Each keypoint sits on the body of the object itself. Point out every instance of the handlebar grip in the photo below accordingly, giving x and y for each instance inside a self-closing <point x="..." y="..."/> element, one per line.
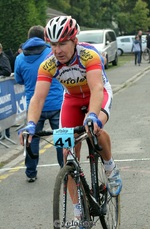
<point x="79" y="129"/>
<point x="94" y="137"/>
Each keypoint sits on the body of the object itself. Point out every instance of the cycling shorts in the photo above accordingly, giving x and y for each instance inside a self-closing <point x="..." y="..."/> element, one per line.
<point x="71" y="114"/>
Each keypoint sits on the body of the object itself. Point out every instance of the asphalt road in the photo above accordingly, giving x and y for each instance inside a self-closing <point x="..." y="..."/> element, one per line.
<point x="29" y="206"/>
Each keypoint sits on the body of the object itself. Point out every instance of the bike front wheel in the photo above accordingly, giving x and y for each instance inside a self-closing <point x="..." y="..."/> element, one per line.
<point x="110" y="217"/>
<point x="63" y="216"/>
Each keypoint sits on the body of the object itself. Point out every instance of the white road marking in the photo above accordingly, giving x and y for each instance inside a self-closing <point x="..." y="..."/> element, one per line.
<point x="82" y="162"/>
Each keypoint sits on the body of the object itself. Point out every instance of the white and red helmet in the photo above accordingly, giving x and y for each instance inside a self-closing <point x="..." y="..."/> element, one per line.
<point x="61" y="28"/>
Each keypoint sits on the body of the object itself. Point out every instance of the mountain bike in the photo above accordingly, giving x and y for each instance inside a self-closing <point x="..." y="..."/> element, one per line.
<point x="146" y="54"/>
<point x="95" y="203"/>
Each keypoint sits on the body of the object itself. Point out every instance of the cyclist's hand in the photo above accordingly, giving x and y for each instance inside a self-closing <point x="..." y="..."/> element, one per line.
<point x="30" y="128"/>
<point x="97" y="123"/>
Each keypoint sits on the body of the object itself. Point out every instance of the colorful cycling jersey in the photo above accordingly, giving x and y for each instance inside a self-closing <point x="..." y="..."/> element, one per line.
<point x="73" y="74"/>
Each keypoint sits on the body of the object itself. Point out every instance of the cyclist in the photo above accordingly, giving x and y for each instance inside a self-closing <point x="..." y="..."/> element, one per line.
<point x="79" y="68"/>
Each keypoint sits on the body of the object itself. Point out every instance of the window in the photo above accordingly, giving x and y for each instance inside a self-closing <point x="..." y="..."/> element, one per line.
<point x="112" y="36"/>
<point x="93" y="38"/>
<point x="125" y="40"/>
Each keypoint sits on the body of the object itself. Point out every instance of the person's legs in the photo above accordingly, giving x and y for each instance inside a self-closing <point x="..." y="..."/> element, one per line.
<point x="135" y="57"/>
<point x="7" y="132"/>
<point x="53" y="117"/>
<point x="149" y="55"/>
<point x="138" y="58"/>
<point x="31" y="164"/>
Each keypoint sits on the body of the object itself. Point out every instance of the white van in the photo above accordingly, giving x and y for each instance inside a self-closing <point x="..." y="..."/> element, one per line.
<point x="104" y="40"/>
<point x="125" y="43"/>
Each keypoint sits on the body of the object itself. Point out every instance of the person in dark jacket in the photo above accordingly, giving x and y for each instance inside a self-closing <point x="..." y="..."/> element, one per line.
<point x="5" y="68"/>
<point x="35" y="50"/>
<point x="148" y="43"/>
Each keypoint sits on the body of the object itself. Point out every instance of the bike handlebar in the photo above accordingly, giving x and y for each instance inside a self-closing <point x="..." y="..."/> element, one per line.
<point x="77" y="129"/>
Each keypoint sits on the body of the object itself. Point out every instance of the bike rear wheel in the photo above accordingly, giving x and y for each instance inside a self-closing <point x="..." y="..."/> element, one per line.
<point x="110" y="218"/>
<point x="63" y="216"/>
<point x="146" y="54"/>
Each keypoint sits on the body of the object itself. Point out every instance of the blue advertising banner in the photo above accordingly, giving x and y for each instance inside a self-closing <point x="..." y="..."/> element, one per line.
<point x="12" y="103"/>
<point x="7" y="99"/>
<point x="20" y="102"/>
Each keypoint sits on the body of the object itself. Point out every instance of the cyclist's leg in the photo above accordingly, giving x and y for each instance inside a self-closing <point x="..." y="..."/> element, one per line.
<point x="115" y="183"/>
<point x="103" y="137"/>
<point x="71" y="116"/>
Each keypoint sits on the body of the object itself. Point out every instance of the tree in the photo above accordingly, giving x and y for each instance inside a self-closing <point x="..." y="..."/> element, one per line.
<point x="140" y="16"/>
<point x="16" y="18"/>
<point x="132" y="16"/>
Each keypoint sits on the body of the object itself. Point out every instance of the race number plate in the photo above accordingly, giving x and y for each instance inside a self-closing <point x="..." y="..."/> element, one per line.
<point x="63" y="138"/>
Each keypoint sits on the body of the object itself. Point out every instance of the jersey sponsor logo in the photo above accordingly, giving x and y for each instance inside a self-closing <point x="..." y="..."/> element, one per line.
<point x="85" y="55"/>
<point x="71" y="81"/>
<point x="72" y="76"/>
<point x="49" y="64"/>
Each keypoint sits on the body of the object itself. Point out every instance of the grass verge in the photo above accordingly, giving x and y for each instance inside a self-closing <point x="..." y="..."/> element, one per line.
<point x="122" y="60"/>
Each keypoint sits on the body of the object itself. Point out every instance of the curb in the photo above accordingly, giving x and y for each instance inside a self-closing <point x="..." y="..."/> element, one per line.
<point x="131" y="80"/>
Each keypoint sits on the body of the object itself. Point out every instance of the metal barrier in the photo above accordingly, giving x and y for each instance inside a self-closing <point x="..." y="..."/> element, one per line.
<point x="12" y="106"/>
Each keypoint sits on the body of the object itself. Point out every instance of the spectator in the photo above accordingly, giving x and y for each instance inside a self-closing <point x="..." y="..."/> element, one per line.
<point x="148" y="43"/>
<point x="140" y="39"/>
<point x="13" y="57"/>
<point x="137" y="50"/>
<point x="27" y="63"/>
<point x="19" y="50"/>
<point x="10" y="56"/>
<point x="5" y="70"/>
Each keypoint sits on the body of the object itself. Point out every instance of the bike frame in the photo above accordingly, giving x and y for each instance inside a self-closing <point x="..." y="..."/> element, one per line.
<point x="92" y="194"/>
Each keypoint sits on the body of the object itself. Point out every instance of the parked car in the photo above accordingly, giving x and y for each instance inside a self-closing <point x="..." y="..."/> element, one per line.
<point x="125" y="43"/>
<point x="104" y="40"/>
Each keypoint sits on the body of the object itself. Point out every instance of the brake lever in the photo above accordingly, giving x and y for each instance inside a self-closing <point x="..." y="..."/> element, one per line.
<point x="25" y="138"/>
<point x="27" y="148"/>
<point x="94" y="137"/>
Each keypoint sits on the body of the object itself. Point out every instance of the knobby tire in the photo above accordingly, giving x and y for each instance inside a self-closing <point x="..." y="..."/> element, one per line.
<point x="58" y="201"/>
<point x="146" y="54"/>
